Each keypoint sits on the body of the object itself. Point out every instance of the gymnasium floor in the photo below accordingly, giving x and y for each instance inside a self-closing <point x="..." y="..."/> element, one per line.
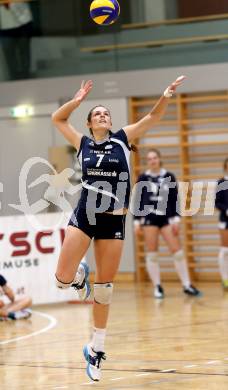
<point x="178" y="343"/>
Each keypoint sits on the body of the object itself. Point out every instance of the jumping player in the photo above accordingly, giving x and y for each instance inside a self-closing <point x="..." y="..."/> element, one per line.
<point x="101" y="211"/>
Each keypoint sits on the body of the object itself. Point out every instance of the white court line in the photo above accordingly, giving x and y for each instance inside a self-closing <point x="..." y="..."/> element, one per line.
<point x="52" y="324"/>
<point x="169" y="370"/>
<point x="191" y="365"/>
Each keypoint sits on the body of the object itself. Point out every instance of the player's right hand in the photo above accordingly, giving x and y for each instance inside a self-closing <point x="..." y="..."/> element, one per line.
<point x="86" y="87"/>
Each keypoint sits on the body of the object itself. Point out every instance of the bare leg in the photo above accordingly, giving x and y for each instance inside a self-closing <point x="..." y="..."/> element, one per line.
<point x="151" y="234"/>
<point x="224" y="237"/>
<point x="19" y="304"/>
<point x="75" y="245"/>
<point x="107" y="255"/>
<point x="223" y="257"/>
<point x="171" y="239"/>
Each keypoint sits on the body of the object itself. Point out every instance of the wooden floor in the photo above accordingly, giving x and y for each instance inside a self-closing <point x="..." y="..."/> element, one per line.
<point x="179" y="343"/>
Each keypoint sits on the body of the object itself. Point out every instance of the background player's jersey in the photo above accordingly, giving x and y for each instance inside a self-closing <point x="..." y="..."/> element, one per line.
<point x="161" y="195"/>
<point x="221" y="198"/>
<point x="105" y="172"/>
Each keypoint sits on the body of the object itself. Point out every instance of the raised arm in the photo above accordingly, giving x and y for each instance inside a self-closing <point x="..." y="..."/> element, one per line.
<point x="137" y="129"/>
<point x="61" y="116"/>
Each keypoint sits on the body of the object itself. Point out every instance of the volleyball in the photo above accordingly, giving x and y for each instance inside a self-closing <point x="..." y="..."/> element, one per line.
<point x="104" y="12"/>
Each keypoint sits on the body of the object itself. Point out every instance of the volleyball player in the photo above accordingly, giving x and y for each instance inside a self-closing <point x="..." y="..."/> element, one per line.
<point x="159" y="191"/>
<point x="16" y="308"/>
<point x="101" y="211"/>
<point x="221" y="202"/>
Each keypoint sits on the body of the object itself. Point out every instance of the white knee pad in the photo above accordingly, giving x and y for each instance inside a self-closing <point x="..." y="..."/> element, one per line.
<point x="179" y="255"/>
<point x="62" y="285"/>
<point x="103" y="293"/>
<point x="152" y="257"/>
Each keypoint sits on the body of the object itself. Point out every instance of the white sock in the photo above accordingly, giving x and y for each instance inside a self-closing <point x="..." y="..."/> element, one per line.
<point x="153" y="267"/>
<point x="223" y="262"/>
<point x="181" y="268"/>
<point x="98" y="339"/>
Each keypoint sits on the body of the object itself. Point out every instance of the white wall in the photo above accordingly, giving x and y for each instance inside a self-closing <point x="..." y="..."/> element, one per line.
<point x="110" y="89"/>
<point x="210" y="77"/>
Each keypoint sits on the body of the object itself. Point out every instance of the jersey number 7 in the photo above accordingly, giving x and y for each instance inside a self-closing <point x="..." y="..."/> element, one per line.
<point x="100" y="158"/>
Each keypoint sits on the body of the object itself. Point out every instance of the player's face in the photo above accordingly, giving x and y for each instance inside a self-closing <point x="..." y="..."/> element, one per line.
<point x="153" y="161"/>
<point x="100" y="120"/>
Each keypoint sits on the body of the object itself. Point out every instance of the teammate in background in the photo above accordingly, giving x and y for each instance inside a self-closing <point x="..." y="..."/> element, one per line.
<point x="221" y="203"/>
<point x="17" y="308"/>
<point x="102" y="207"/>
<point x="16" y="25"/>
<point x="161" y="194"/>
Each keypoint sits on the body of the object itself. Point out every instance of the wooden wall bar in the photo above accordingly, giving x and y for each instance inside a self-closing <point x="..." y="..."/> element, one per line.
<point x="193" y="140"/>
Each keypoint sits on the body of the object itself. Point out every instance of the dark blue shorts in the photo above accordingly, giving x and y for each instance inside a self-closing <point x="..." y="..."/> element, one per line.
<point x="100" y="226"/>
<point x="155" y="220"/>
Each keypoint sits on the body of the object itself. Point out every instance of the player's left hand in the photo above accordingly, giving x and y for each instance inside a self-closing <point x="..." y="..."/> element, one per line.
<point x="172" y="87"/>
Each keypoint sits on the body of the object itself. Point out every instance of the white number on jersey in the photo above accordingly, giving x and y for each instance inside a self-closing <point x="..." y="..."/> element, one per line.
<point x="100" y="158"/>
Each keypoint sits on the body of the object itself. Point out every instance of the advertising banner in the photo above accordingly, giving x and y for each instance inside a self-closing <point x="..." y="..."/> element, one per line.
<point x="29" y="250"/>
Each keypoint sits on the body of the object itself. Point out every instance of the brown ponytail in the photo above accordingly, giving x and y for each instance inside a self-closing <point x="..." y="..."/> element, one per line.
<point x="134" y="148"/>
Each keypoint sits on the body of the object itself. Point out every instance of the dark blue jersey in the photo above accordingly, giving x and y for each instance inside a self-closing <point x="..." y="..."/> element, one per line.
<point x="221" y="198"/>
<point x="105" y="172"/>
<point x="158" y="192"/>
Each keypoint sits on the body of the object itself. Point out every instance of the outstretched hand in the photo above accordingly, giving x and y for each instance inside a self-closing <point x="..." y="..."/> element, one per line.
<point x="172" y="87"/>
<point x="86" y="87"/>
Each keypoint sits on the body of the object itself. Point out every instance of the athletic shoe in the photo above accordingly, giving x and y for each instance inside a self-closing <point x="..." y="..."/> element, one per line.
<point x="81" y="282"/>
<point x="93" y="358"/>
<point x="192" y="291"/>
<point x="20" y="314"/>
<point x="159" y="292"/>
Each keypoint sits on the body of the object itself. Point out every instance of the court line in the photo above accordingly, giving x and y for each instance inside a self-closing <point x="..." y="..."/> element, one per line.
<point x="175" y="371"/>
<point x="169" y="370"/>
<point x="52" y="324"/>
